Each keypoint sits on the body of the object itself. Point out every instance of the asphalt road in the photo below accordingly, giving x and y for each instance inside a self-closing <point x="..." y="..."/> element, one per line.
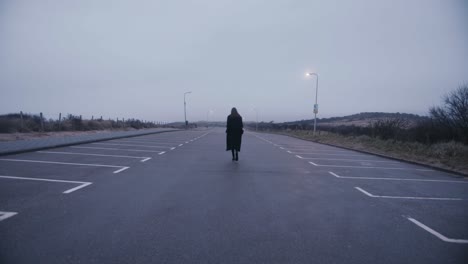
<point x="178" y="198"/>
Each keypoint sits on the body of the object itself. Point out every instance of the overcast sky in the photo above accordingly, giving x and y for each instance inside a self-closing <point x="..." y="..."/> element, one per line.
<point x="137" y="58"/>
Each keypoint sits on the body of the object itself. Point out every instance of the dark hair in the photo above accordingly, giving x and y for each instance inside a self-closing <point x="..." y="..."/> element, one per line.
<point x="234" y="112"/>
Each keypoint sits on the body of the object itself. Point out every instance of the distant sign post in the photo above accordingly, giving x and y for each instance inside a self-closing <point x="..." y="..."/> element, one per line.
<point x="315" y="108"/>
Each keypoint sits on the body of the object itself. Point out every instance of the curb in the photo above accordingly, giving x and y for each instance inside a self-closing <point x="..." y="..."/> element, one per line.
<point x="25" y="150"/>
<point x="379" y="155"/>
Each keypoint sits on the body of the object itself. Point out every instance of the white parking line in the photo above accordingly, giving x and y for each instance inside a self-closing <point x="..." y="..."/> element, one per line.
<point x="130" y="145"/>
<point x="407" y="197"/>
<point x="366" y="167"/>
<point x="437" y="234"/>
<point x="328" y="154"/>
<point x="122" y="168"/>
<point x="5" y="215"/>
<point x="320" y="151"/>
<point x="180" y="145"/>
<point x="350" y="160"/>
<point x="136" y="150"/>
<point x="81" y="184"/>
<point x="143" y="159"/>
<point x="173" y="148"/>
<point x="143" y="141"/>
<point x="162" y="153"/>
<point x="395" y="179"/>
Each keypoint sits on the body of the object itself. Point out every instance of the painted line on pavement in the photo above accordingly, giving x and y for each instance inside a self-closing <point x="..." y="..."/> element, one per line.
<point x="122" y="168"/>
<point x="437" y="234"/>
<point x="395" y="179"/>
<point x="143" y="141"/>
<point x="366" y="167"/>
<point x="5" y="215"/>
<point x="81" y="184"/>
<point x="161" y="153"/>
<point x="143" y="159"/>
<point x="320" y="151"/>
<point x="173" y="148"/>
<point x="180" y="145"/>
<point x="136" y="150"/>
<point x="406" y="197"/>
<point x="328" y="154"/>
<point x="130" y="145"/>
<point x="350" y="160"/>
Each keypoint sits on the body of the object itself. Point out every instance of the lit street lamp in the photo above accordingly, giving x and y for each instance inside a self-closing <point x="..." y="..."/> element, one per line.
<point x="185" y="110"/>
<point x="316" y="95"/>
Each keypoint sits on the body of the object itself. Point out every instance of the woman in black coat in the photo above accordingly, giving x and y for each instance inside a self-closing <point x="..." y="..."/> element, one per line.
<point x="234" y="130"/>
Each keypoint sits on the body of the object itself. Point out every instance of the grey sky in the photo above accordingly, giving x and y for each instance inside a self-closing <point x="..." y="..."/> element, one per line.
<point x="137" y="58"/>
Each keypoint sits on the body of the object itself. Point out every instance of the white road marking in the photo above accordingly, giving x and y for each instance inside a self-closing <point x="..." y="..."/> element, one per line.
<point x="394" y="179"/>
<point x="91" y="154"/>
<point x="162" y="152"/>
<point x="122" y="169"/>
<point x="81" y="184"/>
<point x="143" y="160"/>
<point x="322" y="151"/>
<point x="173" y="148"/>
<point x="186" y="142"/>
<point x="180" y="145"/>
<point x="136" y="150"/>
<point x="130" y="145"/>
<point x="437" y="234"/>
<point x="281" y="148"/>
<point x="299" y="156"/>
<point x="407" y="197"/>
<point x="69" y="163"/>
<point x="5" y="215"/>
<point x="143" y="141"/>
<point x="289" y="151"/>
<point x="384" y="161"/>
<point x="365" y="167"/>
<point x="328" y="154"/>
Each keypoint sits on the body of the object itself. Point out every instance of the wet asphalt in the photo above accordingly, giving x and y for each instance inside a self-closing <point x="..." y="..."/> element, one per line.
<point x="177" y="197"/>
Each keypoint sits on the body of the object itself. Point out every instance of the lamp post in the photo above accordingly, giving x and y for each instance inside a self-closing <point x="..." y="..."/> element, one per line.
<point x="185" y="110"/>
<point x="316" y="95"/>
<point x="256" y="119"/>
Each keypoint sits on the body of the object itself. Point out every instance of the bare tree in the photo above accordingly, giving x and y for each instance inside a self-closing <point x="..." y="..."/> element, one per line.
<point x="454" y="113"/>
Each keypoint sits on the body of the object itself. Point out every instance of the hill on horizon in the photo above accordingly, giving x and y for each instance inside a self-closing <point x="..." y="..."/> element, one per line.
<point x="360" y="119"/>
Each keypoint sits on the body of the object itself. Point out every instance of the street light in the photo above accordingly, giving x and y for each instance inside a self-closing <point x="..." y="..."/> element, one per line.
<point x="256" y="118"/>
<point x="185" y="110"/>
<point x="316" y="95"/>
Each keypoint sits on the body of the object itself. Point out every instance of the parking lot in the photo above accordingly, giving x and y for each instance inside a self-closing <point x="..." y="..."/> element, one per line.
<point x="178" y="197"/>
<point x="68" y="170"/>
<point x="434" y="201"/>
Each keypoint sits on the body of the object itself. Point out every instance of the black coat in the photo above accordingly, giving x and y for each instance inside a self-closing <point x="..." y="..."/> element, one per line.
<point x="234" y="130"/>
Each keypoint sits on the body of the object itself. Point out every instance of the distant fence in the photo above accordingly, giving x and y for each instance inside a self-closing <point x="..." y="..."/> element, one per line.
<point x="26" y="122"/>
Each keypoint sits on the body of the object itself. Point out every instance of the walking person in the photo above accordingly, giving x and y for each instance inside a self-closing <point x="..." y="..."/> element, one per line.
<point x="234" y="131"/>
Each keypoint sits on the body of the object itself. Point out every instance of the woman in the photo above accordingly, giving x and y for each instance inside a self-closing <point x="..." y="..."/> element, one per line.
<point x="234" y="130"/>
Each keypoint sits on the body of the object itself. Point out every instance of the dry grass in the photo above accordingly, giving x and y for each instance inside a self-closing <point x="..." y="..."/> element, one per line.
<point x="448" y="155"/>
